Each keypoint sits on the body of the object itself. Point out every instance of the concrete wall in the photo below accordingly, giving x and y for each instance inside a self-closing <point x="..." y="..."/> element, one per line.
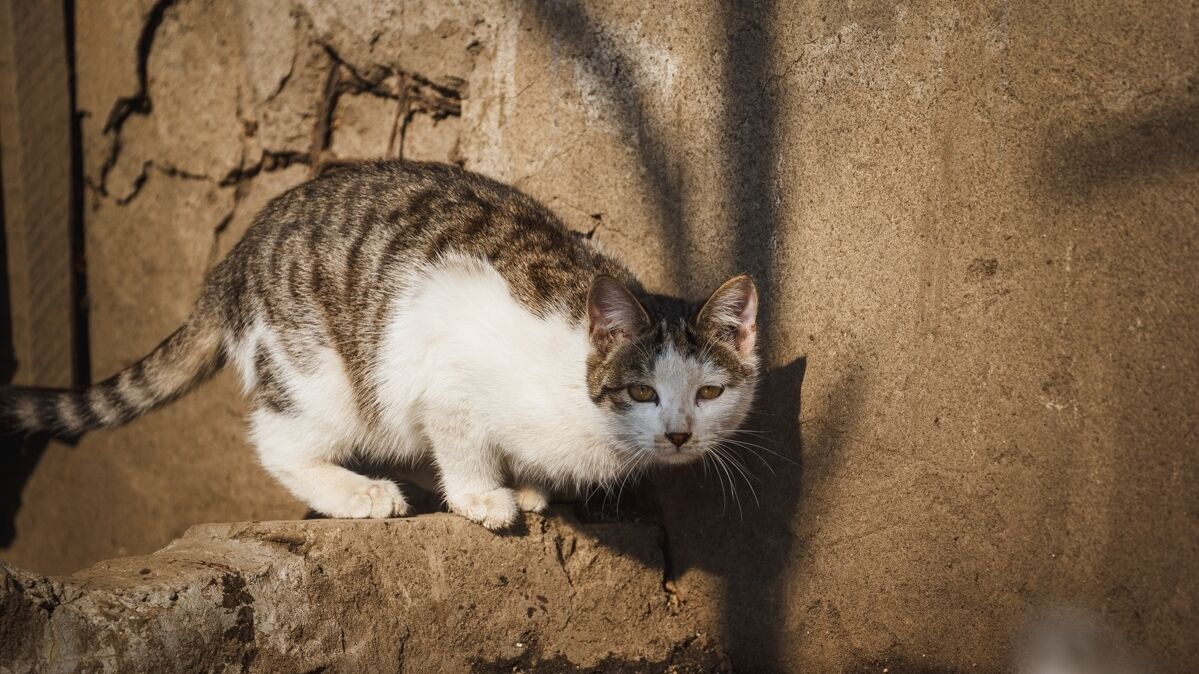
<point x="974" y="228"/>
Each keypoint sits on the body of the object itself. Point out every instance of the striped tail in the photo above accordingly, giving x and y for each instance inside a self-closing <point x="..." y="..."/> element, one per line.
<point x="190" y="355"/>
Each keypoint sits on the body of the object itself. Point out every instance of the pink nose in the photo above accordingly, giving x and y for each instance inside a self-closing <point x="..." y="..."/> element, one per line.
<point x="678" y="438"/>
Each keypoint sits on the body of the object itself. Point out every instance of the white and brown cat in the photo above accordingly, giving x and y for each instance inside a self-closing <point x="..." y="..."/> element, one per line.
<point x="414" y="313"/>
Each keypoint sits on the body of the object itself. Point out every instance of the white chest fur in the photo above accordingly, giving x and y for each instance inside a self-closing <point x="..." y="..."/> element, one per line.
<point x="461" y="347"/>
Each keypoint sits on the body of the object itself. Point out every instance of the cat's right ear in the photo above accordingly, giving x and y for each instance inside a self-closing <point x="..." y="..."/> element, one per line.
<point x="613" y="313"/>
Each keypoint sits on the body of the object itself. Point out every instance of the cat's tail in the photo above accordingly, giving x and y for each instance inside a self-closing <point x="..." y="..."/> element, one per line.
<point x="190" y="355"/>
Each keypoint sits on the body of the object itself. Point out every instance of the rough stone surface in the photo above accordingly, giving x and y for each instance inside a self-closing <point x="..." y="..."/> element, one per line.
<point x="364" y="126"/>
<point x="973" y="227"/>
<point x="430" y="139"/>
<point x="423" y="594"/>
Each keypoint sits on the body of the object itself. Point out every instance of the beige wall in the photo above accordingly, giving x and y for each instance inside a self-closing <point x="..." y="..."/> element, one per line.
<point x="974" y="227"/>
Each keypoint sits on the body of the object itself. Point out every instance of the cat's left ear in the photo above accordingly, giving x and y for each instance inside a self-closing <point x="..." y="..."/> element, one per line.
<point x="613" y="313"/>
<point x="731" y="313"/>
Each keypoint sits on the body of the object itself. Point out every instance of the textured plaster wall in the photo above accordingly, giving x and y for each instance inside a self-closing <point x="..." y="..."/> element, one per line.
<point x="974" y="228"/>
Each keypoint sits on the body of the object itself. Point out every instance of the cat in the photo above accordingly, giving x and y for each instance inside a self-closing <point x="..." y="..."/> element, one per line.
<point x="408" y="312"/>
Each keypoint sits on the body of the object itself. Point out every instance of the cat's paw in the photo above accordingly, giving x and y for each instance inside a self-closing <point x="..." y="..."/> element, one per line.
<point x="495" y="509"/>
<point x="531" y="499"/>
<point x="376" y="500"/>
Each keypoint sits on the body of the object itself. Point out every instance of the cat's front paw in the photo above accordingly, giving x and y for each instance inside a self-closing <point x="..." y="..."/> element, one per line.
<point x="531" y="499"/>
<point x="376" y="500"/>
<point x="495" y="509"/>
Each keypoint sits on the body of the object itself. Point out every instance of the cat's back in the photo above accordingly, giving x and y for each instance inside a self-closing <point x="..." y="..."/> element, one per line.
<point x="422" y="269"/>
<point x="440" y="206"/>
<point x="361" y="230"/>
<point x="387" y="197"/>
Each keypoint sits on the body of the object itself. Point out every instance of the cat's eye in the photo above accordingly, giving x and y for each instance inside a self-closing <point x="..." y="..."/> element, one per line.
<point x="709" y="392"/>
<point x="642" y="393"/>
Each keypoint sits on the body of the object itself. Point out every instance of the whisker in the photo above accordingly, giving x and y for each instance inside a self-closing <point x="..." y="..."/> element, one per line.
<point x="632" y="468"/>
<point x="754" y="445"/>
<point x="626" y="465"/>
<point x="720" y="462"/>
<point x="719" y="480"/>
<point x="749" y="449"/>
<point x="736" y="465"/>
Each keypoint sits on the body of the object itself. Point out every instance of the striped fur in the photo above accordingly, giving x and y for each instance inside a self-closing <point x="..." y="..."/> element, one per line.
<point x="184" y="359"/>
<point x="421" y="313"/>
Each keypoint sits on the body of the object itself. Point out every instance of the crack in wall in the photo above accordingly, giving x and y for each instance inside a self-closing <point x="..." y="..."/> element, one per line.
<point x="139" y="102"/>
<point x="271" y="161"/>
<point x="322" y="133"/>
<point x="415" y="94"/>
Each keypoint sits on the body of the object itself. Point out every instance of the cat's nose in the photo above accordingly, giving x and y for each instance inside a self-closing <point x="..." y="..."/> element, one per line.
<point x="678" y="438"/>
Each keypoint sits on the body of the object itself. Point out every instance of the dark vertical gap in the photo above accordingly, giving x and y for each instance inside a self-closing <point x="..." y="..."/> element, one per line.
<point x="17" y="461"/>
<point x="80" y="342"/>
<point x="8" y="357"/>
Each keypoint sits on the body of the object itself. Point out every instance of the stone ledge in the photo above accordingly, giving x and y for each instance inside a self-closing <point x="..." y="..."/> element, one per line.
<point x="428" y="593"/>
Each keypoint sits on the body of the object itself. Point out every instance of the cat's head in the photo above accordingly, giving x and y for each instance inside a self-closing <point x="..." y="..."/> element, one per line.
<point x="673" y="381"/>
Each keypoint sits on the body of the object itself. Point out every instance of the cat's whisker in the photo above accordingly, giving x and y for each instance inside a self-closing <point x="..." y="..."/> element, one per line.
<point x="723" y="472"/>
<point x="757" y="446"/>
<point x="719" y="480"/>
<point x="750" y="449"/>
<point x="626" y="479"/>
<point x="606" y="484"/>
<point x="741" y="431"/>
<point x="723" y="463"/>
<point x="732" y="458"/>
<point x="745" y="474"/>
<point x="626" y="469"/>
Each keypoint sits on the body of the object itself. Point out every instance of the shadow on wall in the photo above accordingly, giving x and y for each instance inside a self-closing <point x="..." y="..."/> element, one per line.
<point x="753" y="554"/>
<point x="1121" y="148"/>
<point x="608" y="65"/>
<point x="1097" y="162"/>
<point x="18" y="456"/>
<point x="755" y="562"/>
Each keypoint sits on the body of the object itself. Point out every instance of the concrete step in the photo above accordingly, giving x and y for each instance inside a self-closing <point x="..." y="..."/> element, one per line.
<point x="427" y="593"/>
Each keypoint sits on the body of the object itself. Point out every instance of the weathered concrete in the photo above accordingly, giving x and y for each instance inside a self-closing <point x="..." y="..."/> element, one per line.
<point x="423" y="594"/>
<point x="974" y="229"/>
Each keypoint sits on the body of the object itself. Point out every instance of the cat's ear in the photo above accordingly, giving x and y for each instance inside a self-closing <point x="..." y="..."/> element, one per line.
<point x="731" y="314"/>
<point x="613" y="314"/>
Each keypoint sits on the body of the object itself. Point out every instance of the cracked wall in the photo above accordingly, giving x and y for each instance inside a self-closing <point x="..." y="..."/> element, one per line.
<point x="973" y="229"/>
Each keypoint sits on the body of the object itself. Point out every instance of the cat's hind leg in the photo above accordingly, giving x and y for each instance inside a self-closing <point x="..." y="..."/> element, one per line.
<point x="303" y="456"/>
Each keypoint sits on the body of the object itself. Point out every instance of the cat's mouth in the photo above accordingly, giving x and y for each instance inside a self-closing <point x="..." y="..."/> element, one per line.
<point x="676" y="456"/>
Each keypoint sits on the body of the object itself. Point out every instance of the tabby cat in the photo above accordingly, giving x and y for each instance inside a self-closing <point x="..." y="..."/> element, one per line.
<point x="406" y="312"/>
